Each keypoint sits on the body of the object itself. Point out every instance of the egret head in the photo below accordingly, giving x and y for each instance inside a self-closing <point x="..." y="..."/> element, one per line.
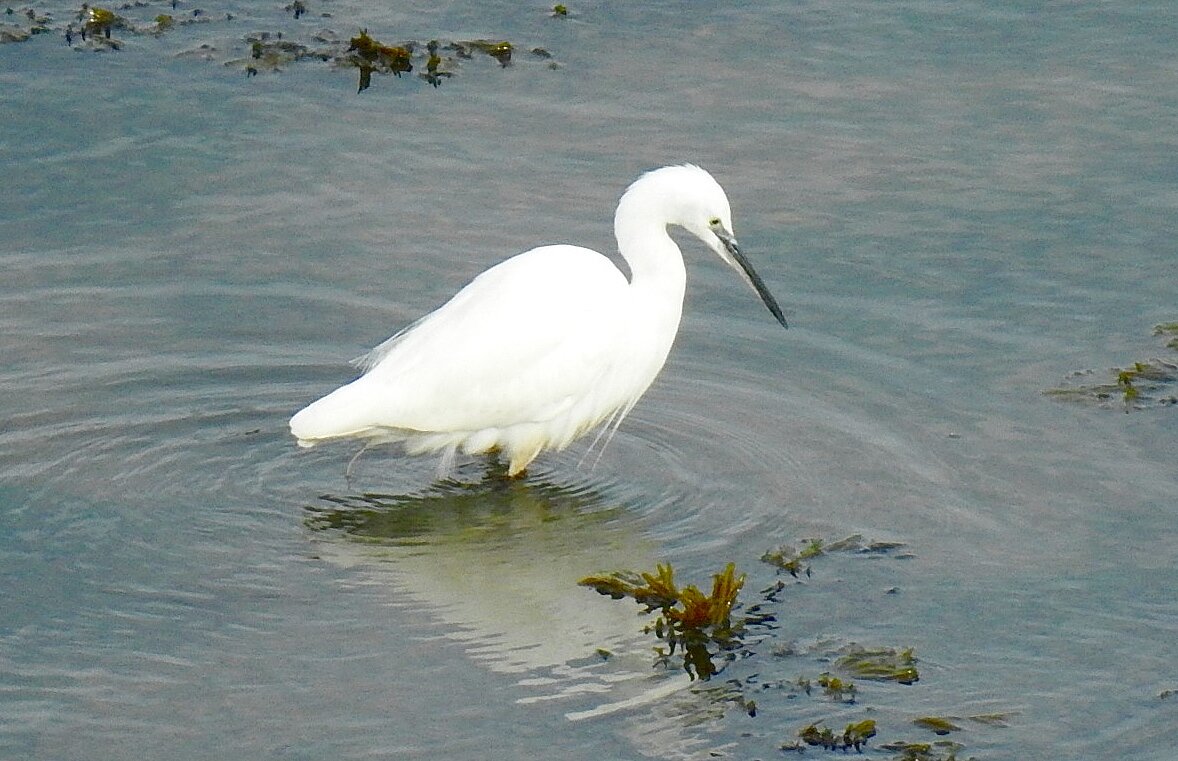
<point x="701" y="207"/>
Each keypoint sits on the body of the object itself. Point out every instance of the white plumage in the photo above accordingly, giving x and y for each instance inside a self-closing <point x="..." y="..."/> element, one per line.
<point x="543" y="347"/>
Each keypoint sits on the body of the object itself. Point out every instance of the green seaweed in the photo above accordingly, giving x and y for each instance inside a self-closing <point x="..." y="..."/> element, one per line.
<point x="24" y="25"/>
<point x="839" y="690"/>
<point x="991" y="719"/>
<point x="10" y="33"/>
<point x="500" y="50"/>
<point x="854" y="736"/>
<point x="1168" y="329"/>
<point x="689" y="621"/>
<point x="97" y="20"/>
<point x="793" y="559"/>
<point x="858" y="733"/>
<point x="433" y="73"/>
<point x="879" y="664"/>
<point x="729" y="693"/>
<point x="659" y="593"/>
<point x="941" y="750"/>
<point x="857" y="544"/>
<point x="436" y="61"/>
<point x="394" y="58"/>
<point x="1142" y="384"/>
<point x="370" y="55"/>
<point x="938" y="725"/>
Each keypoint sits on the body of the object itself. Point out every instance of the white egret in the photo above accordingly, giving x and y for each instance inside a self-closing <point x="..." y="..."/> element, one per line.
<point x="543" y="347"/>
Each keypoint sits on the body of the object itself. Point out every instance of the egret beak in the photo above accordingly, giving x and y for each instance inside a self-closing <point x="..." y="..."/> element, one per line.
<point x="734" y="257"/>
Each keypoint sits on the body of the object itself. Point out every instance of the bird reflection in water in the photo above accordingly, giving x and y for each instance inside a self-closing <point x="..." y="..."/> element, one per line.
<point x="496" y="563"/>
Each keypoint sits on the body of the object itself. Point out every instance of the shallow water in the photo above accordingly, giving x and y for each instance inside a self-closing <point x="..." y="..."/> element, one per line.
<point x="959" y="206"/>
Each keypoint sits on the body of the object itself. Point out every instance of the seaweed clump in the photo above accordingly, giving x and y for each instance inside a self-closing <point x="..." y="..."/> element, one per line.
<point x="1168" y="329"/>
<point x="854" y="736"/>
<point x="938" y="725"/>
<point x="882" y="664"/>
<point x="433" y="73"/>
<point x="839" y="690"/>
<point x="93" y="28"/>
<point x="500" y="50"/>
<point x="95" y="25"/>
<point x="1143" y="384"/>
<point x="689" y="621"/>
<point x="941" y="750"/>
<point x="368" y="55"/>
<point x="271" y="52"/>
<point x="794" y="560"/>
<point x="19" y="27"/>
<point x="97" y="21"/>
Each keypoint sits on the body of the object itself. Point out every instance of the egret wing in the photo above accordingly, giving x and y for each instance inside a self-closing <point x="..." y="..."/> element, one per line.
<point x="524" y="342"/>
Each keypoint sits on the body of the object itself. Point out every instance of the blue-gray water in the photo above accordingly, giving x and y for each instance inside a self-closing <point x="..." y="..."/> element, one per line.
<point x="959" y="204"/>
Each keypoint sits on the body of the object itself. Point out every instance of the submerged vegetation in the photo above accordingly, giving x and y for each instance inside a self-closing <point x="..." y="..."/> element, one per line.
<point x="854" y="736"/>
<point x="441" y="58"/>
<point x="1146" y="383"/>
<point x="699" y="626"/>
<point x="726" y="635"/>
<point x="289" y="38"/>
<point x="940" y="750"/>
<point x="839" y="690"/>
<point x="712" y="632"/>
<point x="880" y="664"/>
<point x="794" y="560"/>
<point x="1170" y="330"/>
<point x="938" y="725"/>
<point x="369" y="55"/>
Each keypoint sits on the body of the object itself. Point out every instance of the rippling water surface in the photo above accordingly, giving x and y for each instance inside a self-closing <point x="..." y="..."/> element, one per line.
<point x="959" y="205"/>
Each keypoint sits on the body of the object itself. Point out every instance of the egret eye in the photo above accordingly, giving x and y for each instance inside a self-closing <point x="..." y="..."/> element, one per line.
<point x="714" y="222"/>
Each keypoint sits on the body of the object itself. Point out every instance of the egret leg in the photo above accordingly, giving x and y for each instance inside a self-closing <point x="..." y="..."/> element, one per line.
<point x="520" y="460"/>
<point x="351" y="462"/>
<point x="446" y="463"/>
<point x="497" y="471"/>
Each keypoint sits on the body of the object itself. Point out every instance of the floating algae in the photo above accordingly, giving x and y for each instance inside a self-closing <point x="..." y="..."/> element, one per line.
<point x="793" y="560"/>
<point x="1148" y="383"/>
<point x="879" y="664"/>
<point x="499" y="50"/>
<point x="1168" y="329"/>
<point x="98" y="21"/>
<point x="20" y="27"/>
<point x="271" y="53"/>
<point x="433" y="72"/>
<point x="941" y="750"/>
<point x="11" y="33"/>
<point x="854" y="736"/>
<point x="938" y="725"/>
<point x="93" y="28"/>
<point x="844" y="688"/>
<point x="839" y="690"/>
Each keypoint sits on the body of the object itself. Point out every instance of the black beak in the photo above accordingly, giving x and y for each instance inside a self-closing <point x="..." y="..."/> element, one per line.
<point x="749" y="274"/>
